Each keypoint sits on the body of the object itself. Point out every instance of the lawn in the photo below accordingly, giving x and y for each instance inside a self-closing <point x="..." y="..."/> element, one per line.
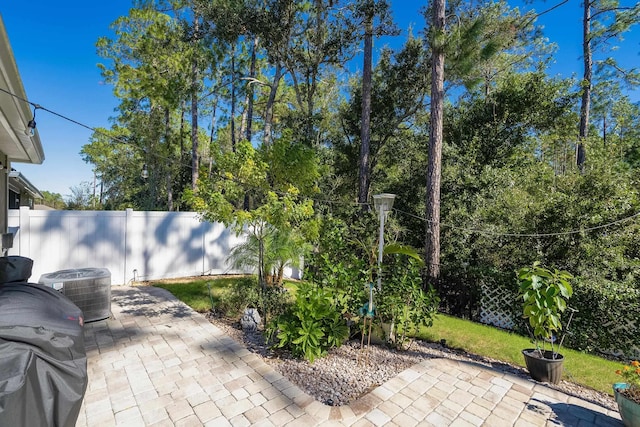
<point x="581" y="368"/>
<point x="196" y="294"/>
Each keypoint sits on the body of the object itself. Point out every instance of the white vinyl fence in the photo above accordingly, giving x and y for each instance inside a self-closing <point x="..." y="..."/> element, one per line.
<point x="133" y="245"/>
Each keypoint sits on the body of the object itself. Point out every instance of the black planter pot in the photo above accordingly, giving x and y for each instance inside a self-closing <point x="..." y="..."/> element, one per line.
<point x="545" y="369"/>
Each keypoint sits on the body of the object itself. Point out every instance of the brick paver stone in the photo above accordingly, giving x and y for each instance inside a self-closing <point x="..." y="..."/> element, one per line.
<point x="158" y="363"/>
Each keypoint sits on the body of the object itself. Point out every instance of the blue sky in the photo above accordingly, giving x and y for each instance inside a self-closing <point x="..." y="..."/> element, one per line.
<point x="54" y="46"/>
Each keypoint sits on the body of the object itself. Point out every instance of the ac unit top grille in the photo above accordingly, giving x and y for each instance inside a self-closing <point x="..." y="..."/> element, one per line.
<point x="88" y="288"/>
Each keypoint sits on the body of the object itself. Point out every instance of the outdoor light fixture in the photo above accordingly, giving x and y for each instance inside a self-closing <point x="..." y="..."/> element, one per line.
<point x="31" y="126"/>
<point x="383" y="201"/>
<point x="145" y="172"/>
<point x="383" y="204"/>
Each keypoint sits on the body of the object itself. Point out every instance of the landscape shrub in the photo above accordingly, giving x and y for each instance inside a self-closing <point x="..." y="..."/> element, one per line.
<point x="342" y="262"/>
<point x="243" y="293"/>
<point x="270" y="301"/>
<point x="607" y="321"/>
<point x="311" y="325"/>
<point x="402" y="303"/>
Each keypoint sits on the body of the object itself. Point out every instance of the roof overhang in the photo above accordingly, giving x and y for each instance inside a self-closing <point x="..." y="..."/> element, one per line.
<point x="19" y="184"/>
<point x="15" y="113"/>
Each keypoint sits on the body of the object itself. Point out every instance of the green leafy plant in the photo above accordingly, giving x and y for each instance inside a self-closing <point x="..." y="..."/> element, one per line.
<point x="310" y="326"/>
<point x="270" y="301"/>
<point x="402" y="302"/>
<point x="243" y="293"/>
<point x="544" y="293"/>
<point x="631" y="375"/>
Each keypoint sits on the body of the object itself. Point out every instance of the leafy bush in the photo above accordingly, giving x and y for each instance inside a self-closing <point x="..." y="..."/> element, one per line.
<point x="402" y="303"/>
<point x="310" y="326"/>
<point x="270" y="301"/>
<point x="243" y="293"/>
<point x="607" y="320"/>
<point x="342" y="262"/>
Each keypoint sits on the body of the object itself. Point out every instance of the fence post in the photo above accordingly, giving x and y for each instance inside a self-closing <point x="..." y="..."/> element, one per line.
<point x="204" y="246"/>
<point x="127" y="242"/>
<point x="24" y="230"/>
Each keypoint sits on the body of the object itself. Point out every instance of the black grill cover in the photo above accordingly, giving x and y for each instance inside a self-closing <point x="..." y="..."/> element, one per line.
<point x="43" y="363"/>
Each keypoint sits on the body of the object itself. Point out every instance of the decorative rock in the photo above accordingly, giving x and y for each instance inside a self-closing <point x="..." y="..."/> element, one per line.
<point x="250" y="320"/>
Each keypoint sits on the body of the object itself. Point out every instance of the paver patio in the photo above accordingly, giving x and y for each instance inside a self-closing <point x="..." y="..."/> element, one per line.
<point x="156" y="362"/>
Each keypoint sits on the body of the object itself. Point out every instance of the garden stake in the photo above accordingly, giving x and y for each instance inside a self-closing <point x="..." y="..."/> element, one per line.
<point x="566" y="330"/>
<point x="368" y="311"/>
<point x="210" y="296"/>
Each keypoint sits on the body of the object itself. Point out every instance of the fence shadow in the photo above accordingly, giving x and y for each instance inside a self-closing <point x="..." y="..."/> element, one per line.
<point x="149" y="302"/>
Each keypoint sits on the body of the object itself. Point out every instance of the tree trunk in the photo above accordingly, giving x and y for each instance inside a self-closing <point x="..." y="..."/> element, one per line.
<point x="195" y="75"/>
<point x="432" y="238"/>
<point x="247" y="117"/>
<point x="268" y="114"/>
<point x="167" y="141"/>
<point x="585" y="105"/>
<point x="365" y="123"/>
<point x="233" y="98"/>
<point x="183" y="111"/>
<point x="261" y="272"/>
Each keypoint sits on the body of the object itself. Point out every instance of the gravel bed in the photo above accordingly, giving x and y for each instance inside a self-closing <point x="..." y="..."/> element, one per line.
<point x="349" y="372"/>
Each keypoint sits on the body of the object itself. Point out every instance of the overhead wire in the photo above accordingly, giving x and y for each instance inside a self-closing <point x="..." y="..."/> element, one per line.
<point x="534" y="235"/>
<point x="62" y="116"/>
<point x="91" y="128"/>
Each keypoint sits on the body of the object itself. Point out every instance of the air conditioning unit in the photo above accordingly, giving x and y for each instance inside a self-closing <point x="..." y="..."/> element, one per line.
<point x="88" y="288"/>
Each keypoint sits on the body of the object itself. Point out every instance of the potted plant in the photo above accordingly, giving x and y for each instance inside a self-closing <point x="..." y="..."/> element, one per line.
<point x="627" y="394"/>
<point x="544" y="294"/>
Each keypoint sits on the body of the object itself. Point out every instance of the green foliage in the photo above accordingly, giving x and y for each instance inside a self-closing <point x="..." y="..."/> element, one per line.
<point x="279" y="250"/>
<point x="544" y="294"/>
<point x="345" y="257"/>
<point x="397" y="96"/>
<point x="606" y="322"/>
<point x="82" y="198"/>
<point x="150" y="65"/>
<point x="345" y="262"/>
<point x="402" y="302"/>
<point x="257" y="193"/>
<point x="245" y="292"/>
<point x="53" y="200"/>
<point x="312" y="325"/>
<point x="508" y="169"/>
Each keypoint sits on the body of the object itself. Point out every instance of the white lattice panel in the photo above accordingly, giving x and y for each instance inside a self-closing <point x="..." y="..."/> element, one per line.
<point x="491" y="301"/>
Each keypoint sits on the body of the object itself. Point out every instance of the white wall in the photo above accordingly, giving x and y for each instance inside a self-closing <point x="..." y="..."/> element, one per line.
<point x="156" y="244"/>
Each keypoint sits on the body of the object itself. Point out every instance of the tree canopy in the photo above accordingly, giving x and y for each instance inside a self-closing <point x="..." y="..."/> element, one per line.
<point x="252" y="113"/>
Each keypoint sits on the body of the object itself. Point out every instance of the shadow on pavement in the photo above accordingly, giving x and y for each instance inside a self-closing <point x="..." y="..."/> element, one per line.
<point x="567" y="414"/>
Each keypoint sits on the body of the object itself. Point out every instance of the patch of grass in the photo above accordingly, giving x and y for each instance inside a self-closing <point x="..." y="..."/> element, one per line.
<point x="581" y="368"/>
<point x="196" y="294"/>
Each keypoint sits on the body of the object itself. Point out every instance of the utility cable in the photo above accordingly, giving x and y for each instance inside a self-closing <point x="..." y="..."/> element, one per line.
<point x="91" y="128"/>
<point x="69" y="119"/>
<point x="491" y="233"/>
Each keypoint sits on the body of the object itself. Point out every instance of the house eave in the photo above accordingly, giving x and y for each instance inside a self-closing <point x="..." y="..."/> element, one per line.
<point x="15" y="112"/>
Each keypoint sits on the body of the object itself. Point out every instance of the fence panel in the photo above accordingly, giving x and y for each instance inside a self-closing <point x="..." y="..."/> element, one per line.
<point x="131" y="244"/>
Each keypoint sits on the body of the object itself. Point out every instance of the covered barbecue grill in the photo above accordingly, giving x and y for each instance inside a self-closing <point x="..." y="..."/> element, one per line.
<point x="43" y="364"/>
